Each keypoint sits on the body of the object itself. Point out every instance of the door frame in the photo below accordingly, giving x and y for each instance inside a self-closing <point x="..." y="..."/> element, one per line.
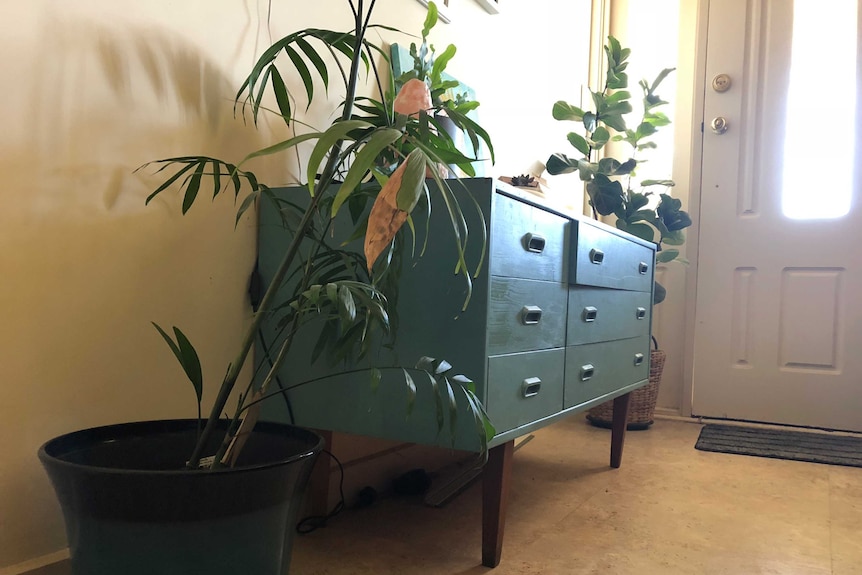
<point x="699" y="21"/>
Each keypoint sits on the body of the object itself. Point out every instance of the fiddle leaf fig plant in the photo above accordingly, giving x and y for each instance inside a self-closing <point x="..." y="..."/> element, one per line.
<point x="378" y="150"/>
<point x="643" y="212"/>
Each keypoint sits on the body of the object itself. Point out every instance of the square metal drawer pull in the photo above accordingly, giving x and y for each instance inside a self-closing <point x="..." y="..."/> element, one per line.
<point x="587" y="371"/>
<point x="597" y="256"/>
<point x="590" y="314"/>
<point x="641" y="313"/>
<point x="531" y="314"/>
<point x="534" y="243"/>
<point x="643" y="268"/>
<point x="639" y="358"/>
<point x="531" y="387"/>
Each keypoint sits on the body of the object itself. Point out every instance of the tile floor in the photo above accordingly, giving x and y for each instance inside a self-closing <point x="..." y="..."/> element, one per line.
<point x="669" y="510"/>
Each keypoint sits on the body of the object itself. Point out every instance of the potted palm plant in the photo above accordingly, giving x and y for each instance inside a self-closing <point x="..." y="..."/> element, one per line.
<point x="610" y="184"/>
<point x="218" y="494"/>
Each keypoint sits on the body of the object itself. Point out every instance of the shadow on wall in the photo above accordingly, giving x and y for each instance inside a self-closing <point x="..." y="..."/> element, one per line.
<point x="109" y="99"/>
<point x="86" y="266"/>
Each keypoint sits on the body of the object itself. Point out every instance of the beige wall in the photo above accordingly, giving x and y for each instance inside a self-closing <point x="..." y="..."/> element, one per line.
<point x="94" y="88"/>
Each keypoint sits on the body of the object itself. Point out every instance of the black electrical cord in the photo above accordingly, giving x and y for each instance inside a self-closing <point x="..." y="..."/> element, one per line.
<point x="312" y="522"/>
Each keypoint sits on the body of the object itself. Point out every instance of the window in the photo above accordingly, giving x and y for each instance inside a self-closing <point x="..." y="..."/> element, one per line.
<point x="821" y="111"/>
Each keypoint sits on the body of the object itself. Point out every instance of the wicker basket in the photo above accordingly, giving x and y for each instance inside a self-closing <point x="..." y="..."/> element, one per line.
<point x="642" y="403"/>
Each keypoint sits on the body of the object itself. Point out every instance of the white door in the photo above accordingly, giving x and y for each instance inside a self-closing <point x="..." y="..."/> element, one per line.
<point x="778" y="334"/>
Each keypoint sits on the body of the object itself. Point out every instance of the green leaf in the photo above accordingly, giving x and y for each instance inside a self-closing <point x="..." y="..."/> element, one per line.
<point x="191" y="362"/>
<point x="304" y="73"/>
<point x="246" y="204"/>
<point x="637" y="201"/>
<point x="188" y="358"/>
<point x="362" y="163"/>
<point x="282" y="98"/>
<point x="617" y="109"/>
<point x="617" y="80"/>
<point x="234" y="176"/>
<point x="426" y="363"/>
<point x="564" y="111"/>
<point x="674" y="238"/>
<point x="600" y="137"/>
<point x="645" y="129"/>
<point x="347" y="306"/>
<point x="648" y="183"/>
<point x="579" y="143"/>
<point x="608" y="166"/>
<point x="560" y="164"/>
<point x="657" y="119"/>
<point x="643" y="231"/>
<point x="442" y="60"/>
<point x="412" y="181"/>
<point x="484" y="428"/>
<point x="438" y="402"/>
<point x="170" y="342"/>
<point x="661" y="76"/>
<point x="626" y="167"/>
<point x="193" y="187"/>
<point x="336" y="132"/>
<point x="615" y="121"/>
<point x="473" y="129"/>
<point x="216" y="177"/>
<point x="170" y="180"/>
<point x="442" y="367"/>
<point x="453" y="408"/>
<point x="617" y="97"/>
<point x="256" y="101"/>
<point x="281" y="146"/>
<point x="605" y="195"/>
<point x="315" y="59"/>
<point x="376" y="377"/>
<point x="411" y="392"/>
<point x="667" y="255"/>
<point x="590" y="122"/>
<point x="642" y="215"/>
<point x="430" y="19"/>
<point x="587" y="170"/>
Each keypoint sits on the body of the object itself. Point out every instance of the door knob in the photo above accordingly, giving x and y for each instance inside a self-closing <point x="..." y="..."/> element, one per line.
<point x="719" y="125"/>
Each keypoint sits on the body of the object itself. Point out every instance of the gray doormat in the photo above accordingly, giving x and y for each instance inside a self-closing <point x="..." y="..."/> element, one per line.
<point x="780" y="444"/>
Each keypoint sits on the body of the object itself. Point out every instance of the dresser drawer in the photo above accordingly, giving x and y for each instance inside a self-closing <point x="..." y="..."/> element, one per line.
<point x="601" y="314"/>
<point x="604" y="259"/>
<point x="526" y="242"/>
<point x="524" y="387"/>
<point x="525" y="315"/>
<point x="596" y="369"/>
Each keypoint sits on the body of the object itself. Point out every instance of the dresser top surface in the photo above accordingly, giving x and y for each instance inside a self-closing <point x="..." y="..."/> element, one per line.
<point x="545" y="204"/>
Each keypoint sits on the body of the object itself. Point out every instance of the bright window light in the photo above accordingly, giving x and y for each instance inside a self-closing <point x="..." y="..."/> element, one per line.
<point x="823" y="69"/>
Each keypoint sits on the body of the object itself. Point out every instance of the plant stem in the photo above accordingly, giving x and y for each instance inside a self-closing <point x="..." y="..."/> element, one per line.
<point x="324" y="182"/>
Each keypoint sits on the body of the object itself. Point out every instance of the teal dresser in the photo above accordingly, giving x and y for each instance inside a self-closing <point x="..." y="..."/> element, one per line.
<point x="558" y="321"/>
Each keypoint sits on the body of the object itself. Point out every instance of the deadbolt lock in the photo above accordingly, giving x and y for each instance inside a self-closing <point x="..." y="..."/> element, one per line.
<point x="721" y="83"/>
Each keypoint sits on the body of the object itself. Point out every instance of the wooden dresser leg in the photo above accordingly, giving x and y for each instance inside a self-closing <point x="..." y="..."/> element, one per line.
<point x="618" y="429"/>
<point x="495" y="493"/>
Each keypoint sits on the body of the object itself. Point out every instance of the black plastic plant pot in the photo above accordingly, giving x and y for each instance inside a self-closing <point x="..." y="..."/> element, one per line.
<point x="132" y="508"/>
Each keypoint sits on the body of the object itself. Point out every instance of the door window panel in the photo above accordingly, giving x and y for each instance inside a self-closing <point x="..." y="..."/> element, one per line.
<point x="821" y="111"/>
